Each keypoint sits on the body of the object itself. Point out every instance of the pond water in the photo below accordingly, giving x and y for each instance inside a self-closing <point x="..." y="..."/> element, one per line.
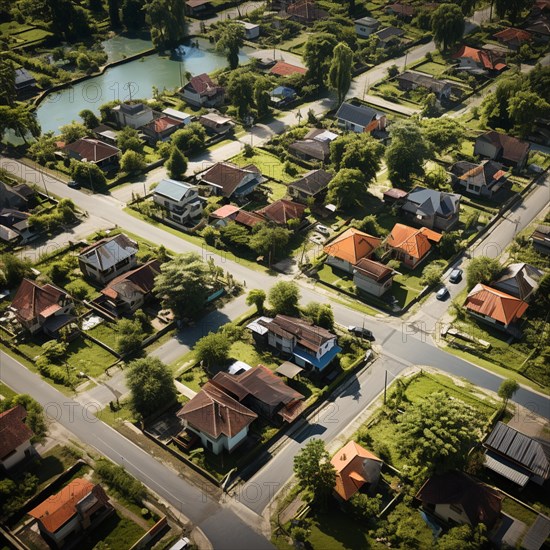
<point x="129" y="80"/>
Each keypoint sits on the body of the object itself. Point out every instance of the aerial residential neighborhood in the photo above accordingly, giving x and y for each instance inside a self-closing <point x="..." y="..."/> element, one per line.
<point x="274" y="274"/>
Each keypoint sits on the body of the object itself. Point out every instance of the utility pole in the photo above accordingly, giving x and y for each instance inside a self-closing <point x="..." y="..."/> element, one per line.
<point x="385" y="384"/>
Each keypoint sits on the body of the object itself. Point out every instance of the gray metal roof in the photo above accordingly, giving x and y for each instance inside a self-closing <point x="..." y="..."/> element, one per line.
<point x="358" y="114"/>
<point x="506" y="469"/>
<point x="537" y="535"/>
<point x="172" y="189"/>
<point x="530" y="453"/>
<point x="431" y="201"/>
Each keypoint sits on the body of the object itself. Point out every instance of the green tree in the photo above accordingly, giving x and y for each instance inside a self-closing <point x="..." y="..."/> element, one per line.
<point x="213" y="349"/>
<point x="230" y="41"/>
<point x="358" y="152"/>
<point x="35" y="420"/>
<point x="176" y="164"/>
<point x="524" y="107"/>
<point x="8" y="93"/>
<point x="261" y="95"/>
<point x="184" y="284"/>
<point x="114" y="14"/>
<point x="510" y="8"/>
<point x="339" y="75"/>
<point x="20" y="119"/>
<point x="88" y="174"/>
<point x="73" y="131"/>
<point x="132" y="162"/>
<point x="443" y="133"/>
<point x="319" y="314"/>
<point x="268" y="240"/>
<point x="507" y="390"/>
<point x="257" y="298"/>
<point x="347" y="188"/>
<point x="151" y="386"/>
<point x="463" y="537"/>
<point x="436" y="433"/>
<point x="284" y="297"/>
<point x="14" y="269"/>
<point x="314" y="470"/>
<point x="431" y="274"/>
<point x="429" y="106"/>
<point x="128" y="139"/>
<point x="447" y="25"/>
<point x="166" y="18"/>
<point x="494" y="108"/>
<point x="89" y="119"/>
<point x="482" y="270"/>
<point x="129" y="337"/>
<point x="317" y="57"/>
<point x="364" y="508"/>
<point x="133" y="16"/>
<point x="408" y="152"/>
<point x="43" y="149"/>
<point x="240" y="89"/>
<point x="190" y="139"/>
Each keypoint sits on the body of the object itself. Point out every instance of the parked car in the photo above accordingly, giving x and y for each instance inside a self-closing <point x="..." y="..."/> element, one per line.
<point x="456" y="276"/>
<point x="322" y="229"/>
<point x="442" y="294"/>
<point x="74" y="184"/>
<point x="362" y="332"/>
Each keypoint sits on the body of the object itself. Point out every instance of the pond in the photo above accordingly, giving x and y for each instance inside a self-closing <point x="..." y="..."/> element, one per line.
<point x="134" y="79"/>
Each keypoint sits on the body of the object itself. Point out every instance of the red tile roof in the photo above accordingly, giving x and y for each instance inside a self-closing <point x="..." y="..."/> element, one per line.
<point x="13" y="430"/>
<point x="495" y="304"/>
<point x="225" y="211"/>
<point x="163" y="123"/>
<point x="203" y="85"/>
<point x="141" y="279"/>
<point x="351" y="474"/>
<point x="513" y="35"/>
<point x="32" y="300"/>
<point x="92" y="150"/>
<point x="486" y="58"/>
<point x="401" y="9"/>
<point x="372" y="270"/>
<point x="352" y="245"/>
<point x="249" y="219"/>
<point x="282" y="211"/>
<point x="282" y="68"/>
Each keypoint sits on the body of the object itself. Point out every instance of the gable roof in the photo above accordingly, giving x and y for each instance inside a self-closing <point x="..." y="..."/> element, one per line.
<point x="430" y="201"/>
<point x="311" y="147"/>
<point x="495" y="304"/>
<point x="412" y="241"/>
<point x="313" y="182"/>
<point x="480" y="503"/>
<point x="23" y="78"/>
<point x="173" y="189"/>
<point x="532" y="454"/>
<point x="513" y="35"/>
<point x="13" y="430"/>
<point x="92" y="150"/>
<point x="163" y="123"/>
<point x="486" y="173"/>
<point x="215" y="413"/>
<point x="11" y="197"/>
<point x="203" y="85"/>
<point x="107" y="252"/>
<point x="32" y="300"/>
<point x="351" y="474"/>
<point x="513" y="149"/>
<point x="523" y="277"/>
<point x="389" y="32"/>
<point x="427" y="81"/>
<point x="283" y="92"/>
<point x="352" y="245"/>
<point x="225" y="211"/>
<point x="248" y="219"/>
<point x="227" y="176"/>
<point x="282" y="68"/>
<point x="373" y="270"/>
<point x="58" y="509"/>
<point x="488" y="59"/>
<point x="141" y="280"/>
<point x="357" y="114"/>
<point x="282" y="211"/>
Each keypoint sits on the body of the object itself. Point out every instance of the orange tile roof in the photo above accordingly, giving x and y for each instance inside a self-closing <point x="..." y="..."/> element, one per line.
<point x="58" y="509"/>
<point x="511" y="34"/>
<point x="13" y="430"/>
<point x="352" y="245"/>
<point x="495" y="304"/>
<point x="282" y="68"/>
<point x="350" y="473"/>
<point x="412" y="241"/>
<point x="483" y="57"/>
<point x="282" y="211"/>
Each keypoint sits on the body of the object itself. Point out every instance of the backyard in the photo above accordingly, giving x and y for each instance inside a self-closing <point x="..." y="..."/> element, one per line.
<point x="269" y="165"/>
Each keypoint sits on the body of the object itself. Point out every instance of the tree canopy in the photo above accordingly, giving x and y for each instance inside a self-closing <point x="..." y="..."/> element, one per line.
<point x="176" y="164"/>
<point x="284" y="297"/>
<point x="268" y="240"/>
<point x="166" y="18"/>
<point x="212" y="349"/>
<point x="339" y="75"/>
<point x="256" y="297"/>
<point x="347" y="188"/>
<point x="482" y="269"/>
<point x="507" y="390"/>
<point x="317" y="56"/>
<point x="240" y="89"/>
<point x="359" y="152"/>
<point x="447" y="25"/>
<point x="443" y="133"/>
<point x="231" y="40"/>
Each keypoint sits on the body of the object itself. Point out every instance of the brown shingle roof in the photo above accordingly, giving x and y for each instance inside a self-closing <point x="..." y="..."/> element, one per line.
<point x="313" y="181"/>
<point x="141" y="279"/>
<point x="13" y="430"/>
<point x="282" y="211"/>
<point x="92" y="150"/>
<point x="513" y="35"/>
<point x="227" y="176"/>
<point x="32" y="300"/>
<point x="495" y="304"/>
<point x="513" y="149"/>
<point x="373" y="270"/>
<point x="352" y="245"/>
<point x="250" y="219"/>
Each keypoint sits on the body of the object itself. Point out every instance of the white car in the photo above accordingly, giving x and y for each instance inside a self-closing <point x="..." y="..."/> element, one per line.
<point x="322" y="229"/>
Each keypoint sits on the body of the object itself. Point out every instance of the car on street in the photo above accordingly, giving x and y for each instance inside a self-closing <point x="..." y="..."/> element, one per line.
<point x="322" y="229"/>
<point x="74" y="184"/>
<point x="362" y="332"/>
<point x="442" y="294"/>
<point x="456" y="276"/>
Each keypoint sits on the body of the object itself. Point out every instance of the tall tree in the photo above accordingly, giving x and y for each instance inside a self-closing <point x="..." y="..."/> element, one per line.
<point x="347" y="188"/>
<point x="240" y="89"/>
<point x="212" y="349"/>
<point x="8" y="94"/>
<point x="317" y="56"/>
<point x="20" y="119"/>
<point x="284" y="297"/>
<point x="511" y="8"/>
<point x="176" y="164"/>
<point x="359" y="152"/>
<point x="256" y="297"/>
<point x="523" y="108"/>
<point x="230" y="41"/>
<point x="166" y="19"/>
<point x="73" y="131"/>
<point x="447" y="25"/>
<point x="482" y="269"/>
<point x="268" y="240"/>
<point x="261" y="95"/>
<point x="89" y="119"/>
<point x="339" y="76"/>
<point x="443" y="132"/>
<point x="133" y="15"/>
<point x="151" y="386"/>
<point x="507" y="390"/>
<point x="114" y="13"/>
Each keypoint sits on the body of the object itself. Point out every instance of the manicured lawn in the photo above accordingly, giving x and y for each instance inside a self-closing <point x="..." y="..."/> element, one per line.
<point x="114" y="418"/>
<point x="106" y="333"/>
<point x="86" y="356"/>
<point x="5" y="392"/>
<point x="270" y="165"/>
<point x="430" y="67"/>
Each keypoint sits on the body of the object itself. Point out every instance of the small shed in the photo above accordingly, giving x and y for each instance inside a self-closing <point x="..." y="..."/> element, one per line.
<point x="289" y="369"/>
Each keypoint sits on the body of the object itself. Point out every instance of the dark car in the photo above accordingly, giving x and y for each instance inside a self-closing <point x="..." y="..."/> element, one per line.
<point x="74" y="184"/>
<point x="456" y="276"/>
<point x="442" y="294"/>
<point x="362" y="332"/>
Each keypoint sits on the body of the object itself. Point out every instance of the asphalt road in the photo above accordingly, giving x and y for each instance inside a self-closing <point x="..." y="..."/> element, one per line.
<point x="221" y="525"/>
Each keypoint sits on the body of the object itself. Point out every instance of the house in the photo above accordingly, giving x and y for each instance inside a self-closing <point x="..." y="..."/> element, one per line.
<point x="541" y="239"/>
<point x="220" y="421"/>
<point x="539" y="27"/>
<point x="16" y="196"/>
<point x="248" y="219"/>
<point x="483" y="180"/>
<point x="161" y="128"/>
<point x="513" y="38"/>
<point x="282" y="211"/>
<point x="180" y="200"/>
<point x="229" y="180"/>
<point x="224" y="215"/>
<point x="93" y="151"/>
<point x="310" y="346"/>
<point x="312" y="185"/>
<point x="25" y="83"/>
<point x="46" y="308"/>
<point x="365" y="26"/>
<point x="79" y="506"/>
<point x="262" y="391"/>
<point x="389" y="36"/>
<point x="345" y="250"/>
<point x="216" y="124"/>
<point x="502" y="148"/>
<point x="14" y="225"/>
<point x="15" y="437"/>
<point x="186" y="118"/>
<point x="519" y="280"/>
<point x="108" y="258"/>
<point x="432" y="209"/>
<point x="516" y="456"/>
<point x="479" y="61"/>
<point x="251" y="30"/>
<point x="454" y="497"/>
<point x="129" y="291"/>
<point x="411" y="80"/>
<point x="198" y="8"/>
<point x="495" y="307"/>
<point x="282" y="95"/>
<point x="306" y="11"/>
<point x="105" y="133"/>
<point x="403" y="11"/>
<point x="410" y="245"/>
<point x="355" y="467"/>
<point x="201" y="91"/>
<point x="360" y="119"/>
<point x="315" y="146"/>
<point x="134" y="115"/>
<point x="282" y="68"/>
<point x="372" y="277"/>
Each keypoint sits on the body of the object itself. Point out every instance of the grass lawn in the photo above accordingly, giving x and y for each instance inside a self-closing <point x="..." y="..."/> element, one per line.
<point x="106" y="333"/>
<point x="116" y="532"/>
<point x="114" y="418"/>
<point x="516" y="510"/>
<point x="52" y="463"/>
<point x="269" y="164"/>
<point x="430" y="67"/>
<point x="6" y="392"/>
<point x="86" y="356"/>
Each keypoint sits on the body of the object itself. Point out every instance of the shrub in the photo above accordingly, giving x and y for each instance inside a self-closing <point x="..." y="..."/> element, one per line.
<point x="122" y="482"/>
